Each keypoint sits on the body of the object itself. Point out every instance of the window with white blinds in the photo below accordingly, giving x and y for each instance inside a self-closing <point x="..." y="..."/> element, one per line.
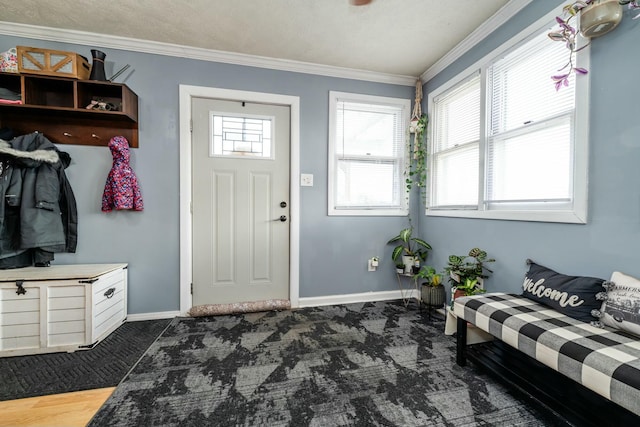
<point x="367" y="154"/>
<point x="530" y="139"/>
<point x="505" y="144"/>
<point x="456" y="145"/>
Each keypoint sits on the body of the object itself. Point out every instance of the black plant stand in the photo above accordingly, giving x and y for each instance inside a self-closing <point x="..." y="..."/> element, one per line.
<point x="433" y="297"/>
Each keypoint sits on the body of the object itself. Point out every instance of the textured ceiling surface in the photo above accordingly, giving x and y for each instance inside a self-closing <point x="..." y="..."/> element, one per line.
<point x="402" y="37"/>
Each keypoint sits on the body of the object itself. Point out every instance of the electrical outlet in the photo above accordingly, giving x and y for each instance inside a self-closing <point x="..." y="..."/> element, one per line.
<point x="306" y="180"/>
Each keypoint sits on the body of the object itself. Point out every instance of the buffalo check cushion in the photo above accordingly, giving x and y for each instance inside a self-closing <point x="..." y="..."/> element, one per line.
<point x="603" y="360"/>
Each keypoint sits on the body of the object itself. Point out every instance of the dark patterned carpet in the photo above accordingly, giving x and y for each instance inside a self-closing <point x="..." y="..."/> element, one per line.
<point x="103" y="366"/>
<point x="368" y="364"/>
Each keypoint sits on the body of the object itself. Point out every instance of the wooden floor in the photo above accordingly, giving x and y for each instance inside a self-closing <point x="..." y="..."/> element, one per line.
<point x="68" y="409"/>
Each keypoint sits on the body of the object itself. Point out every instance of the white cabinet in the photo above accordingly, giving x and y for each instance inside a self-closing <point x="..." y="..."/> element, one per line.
<point x="60" y="308"/>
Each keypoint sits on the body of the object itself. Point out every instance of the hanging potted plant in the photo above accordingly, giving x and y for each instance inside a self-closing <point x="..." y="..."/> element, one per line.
<point x="417" y="170"/>
<point x="597" y="17"/>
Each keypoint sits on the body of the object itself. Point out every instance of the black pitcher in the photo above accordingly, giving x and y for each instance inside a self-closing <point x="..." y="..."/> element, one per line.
<point x="97" y="67"/>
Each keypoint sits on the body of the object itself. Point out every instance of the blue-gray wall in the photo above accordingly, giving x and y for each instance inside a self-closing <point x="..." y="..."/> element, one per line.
<point x="611" y="239"/>
<point x="333" y="250"/>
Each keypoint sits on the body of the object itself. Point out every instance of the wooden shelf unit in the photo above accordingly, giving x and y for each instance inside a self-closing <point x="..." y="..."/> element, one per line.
<point x="56" y="107"/>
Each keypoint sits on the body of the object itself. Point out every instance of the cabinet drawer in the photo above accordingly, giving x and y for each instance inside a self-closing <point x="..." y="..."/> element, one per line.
<point x="108" y="308"/>
<point x="105" y="282"/>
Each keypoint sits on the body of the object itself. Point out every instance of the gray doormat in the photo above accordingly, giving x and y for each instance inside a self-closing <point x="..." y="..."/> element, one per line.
<point x="103" y="366"/>
<point x="367" y="364"/>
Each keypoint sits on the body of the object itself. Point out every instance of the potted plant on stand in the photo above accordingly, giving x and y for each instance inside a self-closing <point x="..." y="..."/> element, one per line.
<point x="412" y="249"/>
<point x="432" y="291"/>
<point x="467" y="272"/>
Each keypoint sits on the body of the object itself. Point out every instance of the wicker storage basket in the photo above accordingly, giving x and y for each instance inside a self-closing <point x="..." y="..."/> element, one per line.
<point x="47" y="62"/>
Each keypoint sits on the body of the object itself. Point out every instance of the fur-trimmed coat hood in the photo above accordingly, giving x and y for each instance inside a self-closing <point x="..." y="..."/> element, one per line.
<point x="33" y="150"/>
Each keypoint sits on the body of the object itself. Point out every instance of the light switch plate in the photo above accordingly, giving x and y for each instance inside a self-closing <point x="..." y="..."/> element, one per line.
<point x="306" y="180"/>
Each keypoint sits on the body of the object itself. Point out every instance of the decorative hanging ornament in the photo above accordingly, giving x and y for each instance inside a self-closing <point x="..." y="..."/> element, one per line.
<point x="417" y="108"/>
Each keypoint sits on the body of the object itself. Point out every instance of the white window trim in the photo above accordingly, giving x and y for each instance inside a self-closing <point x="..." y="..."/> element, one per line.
<point x="578" y="214"/>
<point x="405" y="104"/>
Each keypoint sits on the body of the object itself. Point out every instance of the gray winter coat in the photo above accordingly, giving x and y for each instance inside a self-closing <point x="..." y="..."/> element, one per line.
<point x="39" y="187"/>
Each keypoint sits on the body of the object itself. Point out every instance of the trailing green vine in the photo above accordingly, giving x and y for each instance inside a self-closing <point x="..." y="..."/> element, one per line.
<point x="416" y="175"/>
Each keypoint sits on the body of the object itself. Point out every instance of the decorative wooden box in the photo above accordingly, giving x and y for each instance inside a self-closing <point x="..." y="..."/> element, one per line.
<point x="60" y="308"/>
<point x="47" y="62"/>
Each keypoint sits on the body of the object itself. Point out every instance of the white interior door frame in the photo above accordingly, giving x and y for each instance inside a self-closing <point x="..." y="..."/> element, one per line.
<point x="188" y="92"/>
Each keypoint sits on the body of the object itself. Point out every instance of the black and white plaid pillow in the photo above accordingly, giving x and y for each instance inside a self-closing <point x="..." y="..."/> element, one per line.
<point x="574" y="296"/>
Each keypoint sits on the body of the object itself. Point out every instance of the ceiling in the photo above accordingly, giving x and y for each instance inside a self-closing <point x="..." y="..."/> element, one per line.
<point x="398" y="37"/>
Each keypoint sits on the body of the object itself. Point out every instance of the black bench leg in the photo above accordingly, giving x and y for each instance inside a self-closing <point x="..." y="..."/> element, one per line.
<point x="461" y="342"/>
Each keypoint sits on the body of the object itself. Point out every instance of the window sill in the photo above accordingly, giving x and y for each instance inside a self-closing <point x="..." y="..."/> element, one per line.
<point x="571" y="217"/>
<point x="368" y="212"/>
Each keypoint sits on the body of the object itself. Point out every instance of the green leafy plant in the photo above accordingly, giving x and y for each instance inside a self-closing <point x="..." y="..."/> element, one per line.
<point x="417" y="170"/>
<point x="470" y="287"/>
<point x="462" y="268"/>
<point x="408" y="245"/>
<point x="429" y="275"/>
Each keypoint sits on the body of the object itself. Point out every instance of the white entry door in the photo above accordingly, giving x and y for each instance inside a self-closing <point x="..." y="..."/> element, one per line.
<point x="240" y="201"/>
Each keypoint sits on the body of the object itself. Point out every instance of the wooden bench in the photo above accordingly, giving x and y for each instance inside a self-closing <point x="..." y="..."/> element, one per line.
<point x="600" y="381"/>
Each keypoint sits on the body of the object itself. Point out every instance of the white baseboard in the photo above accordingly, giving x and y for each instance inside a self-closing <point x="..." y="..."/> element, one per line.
<point x="152" y="316"/>
<point x="303" y="302"/>
<point x="353" y="298"/>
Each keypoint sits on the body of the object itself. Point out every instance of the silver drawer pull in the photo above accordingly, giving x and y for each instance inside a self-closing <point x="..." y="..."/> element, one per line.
<point x="110" y="292"/>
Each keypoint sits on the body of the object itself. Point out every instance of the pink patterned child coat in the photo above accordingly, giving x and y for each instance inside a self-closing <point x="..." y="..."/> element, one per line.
<point x="121" y="190"/>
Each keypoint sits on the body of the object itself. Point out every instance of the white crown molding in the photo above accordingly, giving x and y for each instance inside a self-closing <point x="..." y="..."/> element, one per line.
<point x="479" y="34"/>
<point x="167" y="49"/>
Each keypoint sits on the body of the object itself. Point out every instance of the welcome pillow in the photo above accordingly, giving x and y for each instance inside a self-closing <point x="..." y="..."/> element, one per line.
<point x="621" y="310"/>
<point x="574" y="296"/>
